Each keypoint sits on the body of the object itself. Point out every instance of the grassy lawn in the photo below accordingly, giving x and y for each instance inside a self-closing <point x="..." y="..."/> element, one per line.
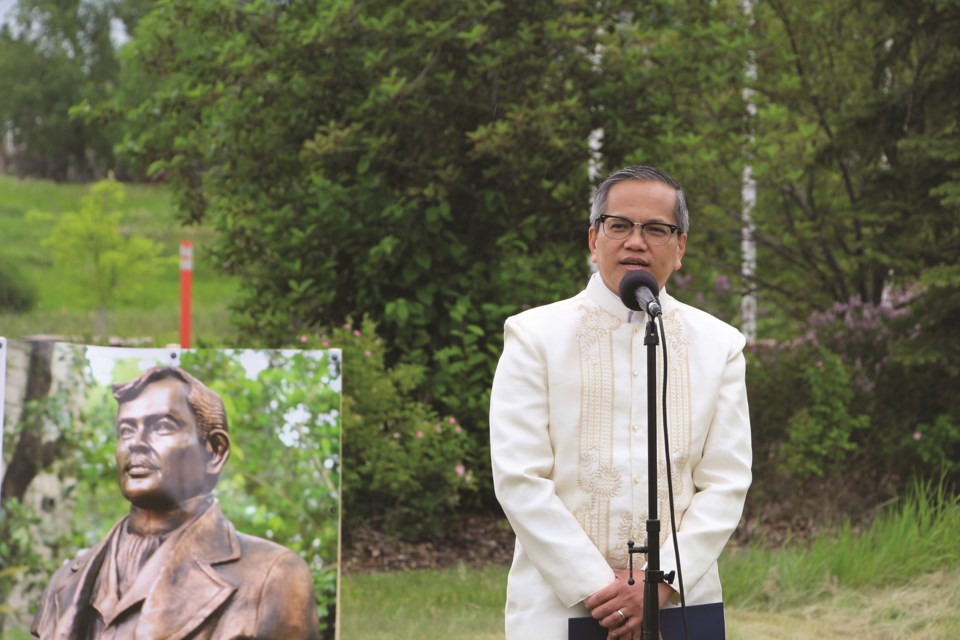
<point x="468" y="604"/>
<point x="63" y="309"/>
<point x="452" y="603"/>
<point x="900" y="579"/>
<point x="919" y="608"/>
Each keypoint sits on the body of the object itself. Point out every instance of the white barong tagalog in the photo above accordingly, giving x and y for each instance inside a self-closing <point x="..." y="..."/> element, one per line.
<point x="568" y="442"/>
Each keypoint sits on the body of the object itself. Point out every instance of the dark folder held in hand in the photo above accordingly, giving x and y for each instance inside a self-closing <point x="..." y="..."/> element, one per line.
<point x="704" y="622"/>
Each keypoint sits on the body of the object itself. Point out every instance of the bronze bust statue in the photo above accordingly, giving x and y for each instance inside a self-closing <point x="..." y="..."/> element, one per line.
<point x="175" y="567"/>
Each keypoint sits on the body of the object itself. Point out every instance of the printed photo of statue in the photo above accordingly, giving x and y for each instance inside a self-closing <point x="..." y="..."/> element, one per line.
<point x="175" y="567"/>
<point x="186" y="494"/>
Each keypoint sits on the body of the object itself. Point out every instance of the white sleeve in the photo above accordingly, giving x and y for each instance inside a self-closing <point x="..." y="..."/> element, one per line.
<point x="720" y="479"/>
<point x="523" y="466"/>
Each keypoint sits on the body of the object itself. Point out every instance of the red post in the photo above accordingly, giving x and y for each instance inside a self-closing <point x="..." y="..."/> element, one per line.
<point x="186" y="287"/>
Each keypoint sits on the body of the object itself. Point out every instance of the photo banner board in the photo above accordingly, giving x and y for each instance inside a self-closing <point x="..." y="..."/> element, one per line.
<point x="3" y="384"/>
<point x="281" y="481"/>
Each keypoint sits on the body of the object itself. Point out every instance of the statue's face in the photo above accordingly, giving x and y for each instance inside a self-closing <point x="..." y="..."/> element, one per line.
<point x="161" y="460"/>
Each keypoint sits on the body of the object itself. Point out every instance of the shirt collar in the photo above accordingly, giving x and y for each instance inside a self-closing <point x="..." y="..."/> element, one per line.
<point x="600" y="295"/>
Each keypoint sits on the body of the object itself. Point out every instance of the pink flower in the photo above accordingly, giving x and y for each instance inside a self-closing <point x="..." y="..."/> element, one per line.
<point x="437" y="428"/>
<point x="452" y="420"/>
<point x="916" y="435"/>
<point x="356" y="332"/>
<point x="458" y="429"/>
<point x="419" y="434"/>
<point x="303" y="339"/>
<point x="367" y="353"/>
<point x="325" y="343"/>
<point x="460" y="469"/>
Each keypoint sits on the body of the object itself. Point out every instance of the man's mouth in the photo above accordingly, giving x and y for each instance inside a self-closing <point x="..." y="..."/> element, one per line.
<point x="634" y="264"/>
<point x="138" y="468"/>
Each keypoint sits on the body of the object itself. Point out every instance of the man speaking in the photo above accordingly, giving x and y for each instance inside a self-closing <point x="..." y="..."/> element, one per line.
<point x="175" y="567"/>
<point x="568" y="429"/>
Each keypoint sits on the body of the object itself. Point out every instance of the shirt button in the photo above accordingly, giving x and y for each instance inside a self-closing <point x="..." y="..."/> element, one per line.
<point x="634" y="427"/>
<point x="635" y="373"/>
<point x="636" y="480"/>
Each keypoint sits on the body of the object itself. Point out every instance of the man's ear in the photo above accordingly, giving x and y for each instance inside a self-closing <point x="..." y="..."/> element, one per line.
<point x="218" y="446"/>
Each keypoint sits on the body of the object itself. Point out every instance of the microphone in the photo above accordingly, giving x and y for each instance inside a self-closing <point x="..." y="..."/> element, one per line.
<point x="638" y="290"/>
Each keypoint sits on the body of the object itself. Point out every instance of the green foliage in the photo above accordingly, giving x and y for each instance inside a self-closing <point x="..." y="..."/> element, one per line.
<point x="16" y="294"/>
<point x="935" y="444"/>
<point x="935" y="332"/>
<point x="68" y="310"/>
<point x="92" y="252"/>
<point x="428" y="164"/>
<point x="857" y="366"/>
<point x="18" y="555"/>
<point x="822" y="432"/>
<point x="408" y="465"/>
<point x="362" y="161"/>
<point x="857" y="111"/>
<point x="53" y="55"/>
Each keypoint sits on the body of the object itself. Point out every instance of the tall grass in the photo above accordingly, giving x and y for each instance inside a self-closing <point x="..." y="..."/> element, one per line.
<point x="919" y="535"/>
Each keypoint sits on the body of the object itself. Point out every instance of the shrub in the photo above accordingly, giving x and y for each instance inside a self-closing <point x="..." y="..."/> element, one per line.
<point x="408" y="465"/>
<point x="811" y="430"/>
<point x="812" y="398"/>
<point x="16" y="295"/>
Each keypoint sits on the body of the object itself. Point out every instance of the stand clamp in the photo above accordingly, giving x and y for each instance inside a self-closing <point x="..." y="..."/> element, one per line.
<point x="658" y="576"/>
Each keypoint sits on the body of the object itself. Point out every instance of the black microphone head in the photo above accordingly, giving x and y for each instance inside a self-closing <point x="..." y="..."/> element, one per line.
<point x="633" y="281"/>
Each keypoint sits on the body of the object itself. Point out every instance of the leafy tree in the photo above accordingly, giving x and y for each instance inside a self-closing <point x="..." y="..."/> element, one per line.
<point x="54" y="55"/>
<point x="855" y="156"/>
<point x="424" y="163"/>
<point x="93" y="251"/>
<point x="429" y="164"/>
<point x="855" y="148"/>
<point x="672" y="96"/>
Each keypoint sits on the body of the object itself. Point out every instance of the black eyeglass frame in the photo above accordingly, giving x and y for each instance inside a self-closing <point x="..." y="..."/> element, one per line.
<point x="643" y="231"/>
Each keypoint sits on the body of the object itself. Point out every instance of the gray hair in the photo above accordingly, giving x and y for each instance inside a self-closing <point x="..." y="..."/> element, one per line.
<point x="643" y="174"/>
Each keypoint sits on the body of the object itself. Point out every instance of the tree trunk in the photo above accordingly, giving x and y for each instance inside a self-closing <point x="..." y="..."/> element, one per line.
<point x="31" y="454"/>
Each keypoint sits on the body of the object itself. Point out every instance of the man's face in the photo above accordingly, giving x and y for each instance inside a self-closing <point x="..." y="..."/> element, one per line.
<point x="639" y="201"/>
<point x="161" y="460"/>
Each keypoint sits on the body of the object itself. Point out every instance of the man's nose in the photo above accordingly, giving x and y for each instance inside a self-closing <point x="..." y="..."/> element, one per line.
<point x="138" y="438"/>
<point x="635" y="238"/>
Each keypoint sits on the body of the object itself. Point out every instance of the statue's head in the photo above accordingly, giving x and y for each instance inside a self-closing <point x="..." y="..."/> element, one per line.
<point x="172" y="438"/>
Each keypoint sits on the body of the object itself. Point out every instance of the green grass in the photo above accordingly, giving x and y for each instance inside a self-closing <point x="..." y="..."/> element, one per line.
<point x="898" y="579"/>
<point x="64" y="309"/>
<point x="451" y="603"/>
<point x="917" y="536"/>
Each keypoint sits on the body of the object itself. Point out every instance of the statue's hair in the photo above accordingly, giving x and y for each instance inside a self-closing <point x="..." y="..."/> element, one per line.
<point x="643" y="174"/>
<point x="207" y="405"/>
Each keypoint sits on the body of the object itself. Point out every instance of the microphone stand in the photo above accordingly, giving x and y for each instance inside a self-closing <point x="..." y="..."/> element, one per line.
<point x="653" y="575"/>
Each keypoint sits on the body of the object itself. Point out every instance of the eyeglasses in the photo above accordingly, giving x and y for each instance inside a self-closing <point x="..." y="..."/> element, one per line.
<point x="655" y="233"/>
